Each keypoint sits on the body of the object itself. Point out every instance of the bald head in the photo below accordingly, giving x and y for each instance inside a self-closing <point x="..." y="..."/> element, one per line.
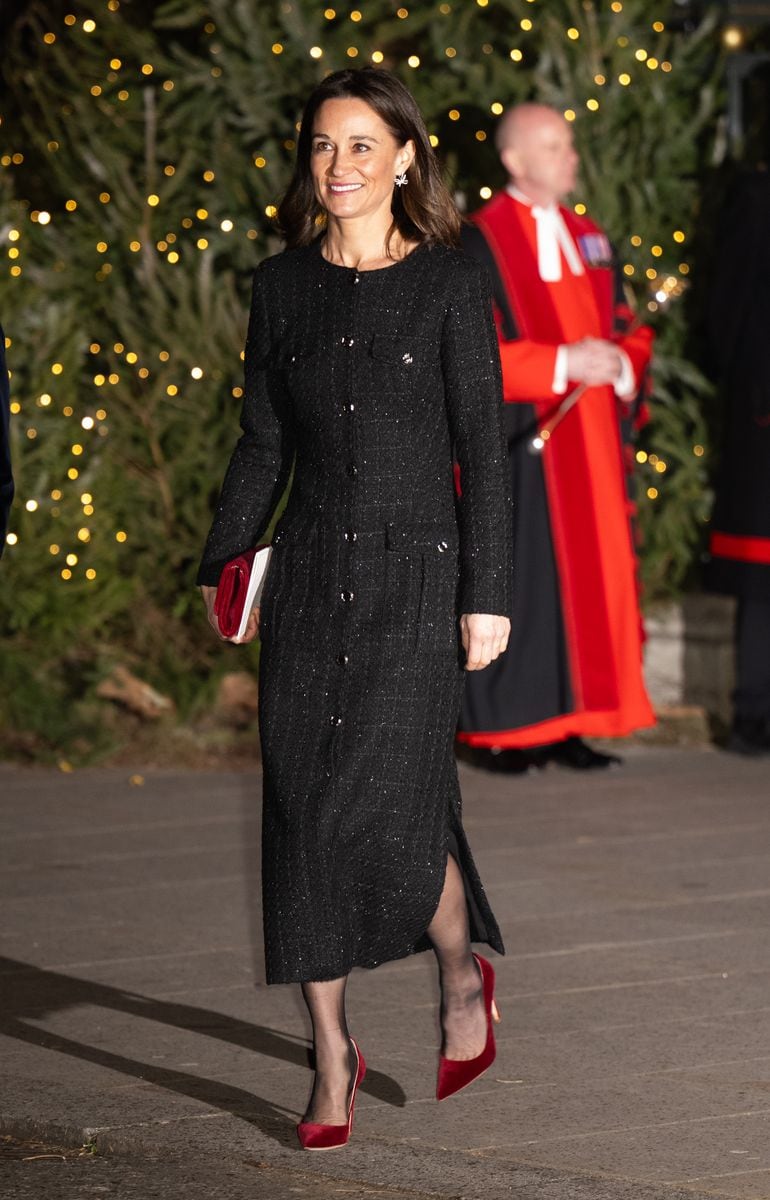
<point x="536" y="148"/>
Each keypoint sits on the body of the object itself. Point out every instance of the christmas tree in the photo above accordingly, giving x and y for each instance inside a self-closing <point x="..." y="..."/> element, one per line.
<point x="144" y="150"/>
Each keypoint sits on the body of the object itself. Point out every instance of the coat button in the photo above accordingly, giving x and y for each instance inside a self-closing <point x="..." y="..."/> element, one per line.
<point x="343" y="659"/>
<point x="335" y="721"/>
<point x="442" y="546"/>
<point x="350" y="535"/>
<point x="352" y="470"/>
<point x="347" y="597"/>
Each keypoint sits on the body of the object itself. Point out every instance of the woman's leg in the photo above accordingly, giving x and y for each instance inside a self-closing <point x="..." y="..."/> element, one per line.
<point x="463" y="1018"/>
<point x="335" y="1059"/>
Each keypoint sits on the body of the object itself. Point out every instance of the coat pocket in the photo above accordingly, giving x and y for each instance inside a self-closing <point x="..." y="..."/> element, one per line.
<point x="411" y="353"/>
<point x="427" y="553"/>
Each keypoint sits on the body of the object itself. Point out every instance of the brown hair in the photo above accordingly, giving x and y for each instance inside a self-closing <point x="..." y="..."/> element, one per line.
<point x="423" y="211"/>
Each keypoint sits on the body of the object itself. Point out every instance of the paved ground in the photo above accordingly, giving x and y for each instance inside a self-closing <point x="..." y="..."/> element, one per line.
<point x="633" y="1061"/>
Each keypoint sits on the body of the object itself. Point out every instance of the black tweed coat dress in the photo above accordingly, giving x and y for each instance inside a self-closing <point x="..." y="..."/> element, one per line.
<point x="370" y="384"/>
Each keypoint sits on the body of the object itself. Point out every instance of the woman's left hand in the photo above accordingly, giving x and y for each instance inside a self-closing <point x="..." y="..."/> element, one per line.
<point x="484" y="638"/>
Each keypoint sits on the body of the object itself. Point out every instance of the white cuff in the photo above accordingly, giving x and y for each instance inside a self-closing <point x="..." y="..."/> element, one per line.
<point x="625" y="384"/>
<point x="560" y="371"/>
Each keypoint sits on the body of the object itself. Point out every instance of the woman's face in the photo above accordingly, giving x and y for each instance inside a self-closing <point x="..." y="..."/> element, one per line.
<point x="355" y="159"/>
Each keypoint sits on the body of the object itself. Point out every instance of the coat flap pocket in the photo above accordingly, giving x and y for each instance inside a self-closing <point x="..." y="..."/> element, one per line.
<point x="294" y="354"/>
<point x="421" y="535"/>
<point x="405" y="350"/>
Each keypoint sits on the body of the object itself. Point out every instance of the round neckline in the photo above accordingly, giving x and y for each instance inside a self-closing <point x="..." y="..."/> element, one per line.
<point x="371" y="271"/>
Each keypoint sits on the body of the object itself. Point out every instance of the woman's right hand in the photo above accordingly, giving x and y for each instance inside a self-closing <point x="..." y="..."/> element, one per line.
<point x="252" y="629"/>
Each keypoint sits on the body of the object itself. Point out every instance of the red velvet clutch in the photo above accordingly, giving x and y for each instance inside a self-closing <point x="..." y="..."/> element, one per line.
<point x="239" y="590"/>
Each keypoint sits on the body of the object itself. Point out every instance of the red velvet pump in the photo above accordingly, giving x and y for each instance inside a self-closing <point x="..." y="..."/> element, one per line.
<point x="456" y="1073"/>
<point x="331" y="1137"/>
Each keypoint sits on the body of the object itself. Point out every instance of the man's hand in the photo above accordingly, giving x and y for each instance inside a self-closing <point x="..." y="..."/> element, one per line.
<point x="484" y="638"/>
<point x="594" y="362"/>
<point x="252" y="629"/>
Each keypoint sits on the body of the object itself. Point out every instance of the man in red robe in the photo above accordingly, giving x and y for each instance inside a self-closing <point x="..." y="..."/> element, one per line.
<point x="573" y="667"/>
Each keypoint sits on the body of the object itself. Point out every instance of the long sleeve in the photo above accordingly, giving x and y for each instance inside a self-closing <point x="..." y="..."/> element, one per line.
<point x="472" y="382"/>
<point x="528" y="367"/>
<point x="528" y="370"/>
<point x="261" y="462"/>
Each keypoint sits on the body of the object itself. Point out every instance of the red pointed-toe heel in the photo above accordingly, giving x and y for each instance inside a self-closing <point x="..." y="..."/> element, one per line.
<point x="455" y="1073"/>
<point x="331" y="1137"/>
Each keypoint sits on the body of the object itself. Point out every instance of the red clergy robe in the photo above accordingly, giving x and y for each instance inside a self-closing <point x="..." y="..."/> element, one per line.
<point x="574" y="663"/>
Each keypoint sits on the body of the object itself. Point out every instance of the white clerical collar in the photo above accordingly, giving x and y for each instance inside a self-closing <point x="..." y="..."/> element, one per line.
<point x="553" y="239"/>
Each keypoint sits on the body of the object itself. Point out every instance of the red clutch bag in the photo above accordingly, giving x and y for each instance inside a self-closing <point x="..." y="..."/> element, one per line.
<point x="240" y="589"/>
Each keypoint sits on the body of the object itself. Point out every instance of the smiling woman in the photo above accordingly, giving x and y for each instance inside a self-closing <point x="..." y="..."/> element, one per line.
<point x="359" y="133"/>
<point x="371" y="362"/>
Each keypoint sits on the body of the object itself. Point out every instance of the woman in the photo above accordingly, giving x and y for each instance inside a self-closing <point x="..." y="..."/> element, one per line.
<point x="371" y="359"/>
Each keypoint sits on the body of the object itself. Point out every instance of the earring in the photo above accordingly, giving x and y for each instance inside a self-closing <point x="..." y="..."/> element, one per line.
<point x="401" y="179"/>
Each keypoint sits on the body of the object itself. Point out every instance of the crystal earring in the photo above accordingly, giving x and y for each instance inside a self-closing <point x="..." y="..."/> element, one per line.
<point x="401" y="179"/>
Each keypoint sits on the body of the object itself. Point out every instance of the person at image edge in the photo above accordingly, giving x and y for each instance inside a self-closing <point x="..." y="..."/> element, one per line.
<point x="6" y="476"/>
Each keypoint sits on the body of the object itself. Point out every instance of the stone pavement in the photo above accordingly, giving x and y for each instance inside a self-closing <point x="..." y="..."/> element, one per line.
<point x="633" y="1054"/>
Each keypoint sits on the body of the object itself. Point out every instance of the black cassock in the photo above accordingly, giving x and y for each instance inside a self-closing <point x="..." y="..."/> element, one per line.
<point x="740" y="338"/>
<point x="369" y="382"/>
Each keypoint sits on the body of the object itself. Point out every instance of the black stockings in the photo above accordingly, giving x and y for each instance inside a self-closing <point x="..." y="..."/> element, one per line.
<point x="462" y="1010"/>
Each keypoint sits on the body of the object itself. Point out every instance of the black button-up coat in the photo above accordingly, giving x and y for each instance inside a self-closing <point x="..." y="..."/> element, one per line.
<point x="370" y="385"/>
